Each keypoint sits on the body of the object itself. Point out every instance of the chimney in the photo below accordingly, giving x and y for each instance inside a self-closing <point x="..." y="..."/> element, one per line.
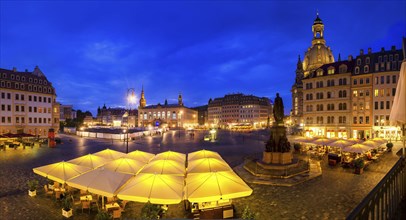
<point x="369" y="50"/>
<point x="14" y="69"/>
<point x="361" y="52"/>
<point x="383" y="49"/>
<point x="393" y="48"/>
<point x="350" y="58"/>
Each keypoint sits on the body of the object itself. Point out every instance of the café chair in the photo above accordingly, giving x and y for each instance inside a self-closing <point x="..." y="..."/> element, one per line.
<point x="47" y="191"/>
<point x="86" y="205"/>
<point x="117" y="214"/>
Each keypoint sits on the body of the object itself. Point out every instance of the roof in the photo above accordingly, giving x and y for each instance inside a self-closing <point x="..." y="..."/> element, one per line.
<point x="335" y="65"/>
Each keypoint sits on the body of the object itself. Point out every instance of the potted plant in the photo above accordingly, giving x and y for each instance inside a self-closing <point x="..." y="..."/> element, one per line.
<point x="389" y="146"/>
<point x="359" y="165"/>
<point x="32" y="187"/>
<point x="67" y="207"/>
<point x="297" y="147"/>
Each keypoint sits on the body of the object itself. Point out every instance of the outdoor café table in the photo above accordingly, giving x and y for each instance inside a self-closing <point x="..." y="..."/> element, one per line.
<point x="86" y="198"/>
<point x="113" y="205"/>
<point x="62" y="190"/>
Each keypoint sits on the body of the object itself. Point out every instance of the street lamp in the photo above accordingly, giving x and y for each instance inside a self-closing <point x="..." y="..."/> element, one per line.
<point x="180" y="120"/>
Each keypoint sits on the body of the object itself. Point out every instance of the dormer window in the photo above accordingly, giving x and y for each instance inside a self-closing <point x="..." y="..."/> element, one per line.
<point x="12" y="76"/>
<point x="366" y="69"/>
<point x="18" y="78"/>
<point x="40" y="81"/>
<point x="35" y="81"/>
<point x="358" y="61"/>
<point x="4" y="75"/>
<point x="45" y="82"/>
<point x="30" y="80"/>
<point x="343" y="68"/>
<point x="23" y="78"/>
<point x="319" y="72"/>
<point x="357" y="70"/>
<point x="367" y="60"/>
<point x="330" y="70"/>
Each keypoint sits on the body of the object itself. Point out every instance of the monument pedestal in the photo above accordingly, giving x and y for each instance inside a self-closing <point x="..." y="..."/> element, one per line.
<point x="277" y="157"/>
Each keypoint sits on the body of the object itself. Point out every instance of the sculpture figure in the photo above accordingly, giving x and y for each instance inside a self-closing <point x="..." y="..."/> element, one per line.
<point x="278" y="110"/>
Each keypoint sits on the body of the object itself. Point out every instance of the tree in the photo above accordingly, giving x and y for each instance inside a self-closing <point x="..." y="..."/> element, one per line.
<point x="150" y="211"/>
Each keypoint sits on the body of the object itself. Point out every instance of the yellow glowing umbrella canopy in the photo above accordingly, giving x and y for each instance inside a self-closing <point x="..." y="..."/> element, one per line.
<point x="155" y="188"/>
<point x="357" y="148"/>
<point x="125" y="165"/>
<point x="203" y="154"/>
<point x="171" y="155"/>
<point x="341" y="143"/>
<point x="140" y="156"/>
<point x="164" y="167"/>
<point x="100" y="181"/>
<point x="205" y="187"/>
<point x="207" y="165"/>
<point x="323" y="141"/>
<point x="110" y="154"/>
<point x="379" y="140"/>
<point x="90" y="160"/>
<point x="61" y="171"/>
<point x="306" y="140"/>
<point x="371" y="143"/>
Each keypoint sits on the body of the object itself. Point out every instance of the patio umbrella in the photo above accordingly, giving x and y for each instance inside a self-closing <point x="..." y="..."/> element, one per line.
<point x="305" y="140"/>
<point x="203" y="154"/>
<point x="140" y="156"/>
<point x="165" y="167"/>
<point x="110" y="154"/>
<point x="379" y="140"/>
<point x="354" y="140"/>
<point x="206" y="165"/>
<point x="125" y="165"/>
<point x="323" y="141"/>
<point x="100" y="181"/>
<point x="357" y="148"/>
<point x="214" y="186"/>
<point x="155" y="188"/>
<point x="61" y="171"/>
<point x="171" y="155"/>
<point x="398" y="111"/>
<point x="371" y="143"/>
<point x="90" y="160"/>
<point x="341" y="143"/>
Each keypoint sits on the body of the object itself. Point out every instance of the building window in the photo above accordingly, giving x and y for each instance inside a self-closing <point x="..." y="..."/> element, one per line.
<point x="393" y="91"/>
<point x="367" y="81"/>
<point x="382" y="79"/>
<point x="355" y="93"/>
<point x="357" y="70"/>
<point x="366" y="119"/>
<point x="367" y="60"/>
<point x="376" y="105"/>
<point x="361" y="81"/>
<point x="387" y="104"/>
<point x="394" y="79"/>
<point x="366" y="69"/>
<point x="354" y="120"/>
<point x="358" y="62"/>
<point x="382" y="105"/>
<point x="355" y="82"/>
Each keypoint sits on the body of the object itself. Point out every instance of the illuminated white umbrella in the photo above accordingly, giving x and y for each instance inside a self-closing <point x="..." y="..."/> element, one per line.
<point x="110" y="154"/>
<point x="378" y="140"/>
<point x="90" y="160"/>
<point x="206" y="165"/>
<point x="214" y="186"/>
<point x="140" y="156"/>
<point x="171" y="155"/>
<point x="164" y="167"/>
<point x="398" y="111"/>
<point x="341" y="143"/>
<point x="323" y="141"/>
<point x="201" y="154"/>
<point x="61" y="171"/>
<point x="357" y="148"/>
<point x="125" y="165"/>
<point x="155" y="188"/>
<point x="100" y="181"/>
<point x="371" y="143"/>
<point x="305" y="140"/>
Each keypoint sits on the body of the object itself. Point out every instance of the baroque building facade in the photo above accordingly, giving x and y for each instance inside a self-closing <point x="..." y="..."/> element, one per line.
<point x="239" y="109"/>
<point x="349" y="98"/>
<point x="166" y="115"/>
<point x="27" y="103"/>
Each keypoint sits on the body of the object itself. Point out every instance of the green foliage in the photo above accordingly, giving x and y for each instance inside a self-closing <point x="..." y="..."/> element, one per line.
<point x="389" y="145"/>
<point x="66" y="203"/>
<point x="297" y="146"/>
<point x="150" y="211"/>
<point x="359" y="163"/>
<point x="32" y="184"/>
<point x="103" y="215"/>
<point x="248" y="214"/>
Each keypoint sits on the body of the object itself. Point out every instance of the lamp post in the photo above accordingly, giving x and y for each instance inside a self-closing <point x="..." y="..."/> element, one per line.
<point x="130" y="100"/>
<point x="180" y="120"/>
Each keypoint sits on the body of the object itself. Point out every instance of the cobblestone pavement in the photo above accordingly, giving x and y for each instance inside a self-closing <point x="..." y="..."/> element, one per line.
<point x="331" y="196"/>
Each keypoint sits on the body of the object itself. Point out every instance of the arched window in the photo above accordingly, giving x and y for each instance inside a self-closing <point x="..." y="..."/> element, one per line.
<point x="366" y="69"/>
<point x="340" y="94"/>
<point x="344" y="93"/>
<point x="357" y="70"/>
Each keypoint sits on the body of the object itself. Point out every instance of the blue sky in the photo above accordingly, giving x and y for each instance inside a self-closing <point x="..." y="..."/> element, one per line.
<point x="93" y="51"/>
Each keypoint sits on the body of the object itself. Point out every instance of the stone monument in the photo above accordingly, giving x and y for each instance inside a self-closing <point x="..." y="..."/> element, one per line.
<point x="277" y="148"/>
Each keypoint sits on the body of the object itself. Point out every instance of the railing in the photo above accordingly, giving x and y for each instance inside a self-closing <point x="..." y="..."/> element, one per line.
<point x="383" y="201"/>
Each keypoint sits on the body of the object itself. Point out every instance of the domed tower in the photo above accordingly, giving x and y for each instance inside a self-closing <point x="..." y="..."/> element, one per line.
<point x="143" y="102"/>
<point x="318" y="54"/>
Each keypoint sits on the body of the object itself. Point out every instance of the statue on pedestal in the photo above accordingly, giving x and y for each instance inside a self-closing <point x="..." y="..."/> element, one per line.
<point x="278" y="110"/>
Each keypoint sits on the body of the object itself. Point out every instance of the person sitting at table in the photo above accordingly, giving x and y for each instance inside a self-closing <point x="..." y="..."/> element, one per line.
<point x="369" y="156"/>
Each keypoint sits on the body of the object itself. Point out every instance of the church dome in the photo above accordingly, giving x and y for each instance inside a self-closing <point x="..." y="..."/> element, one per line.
<point x="319" y="53"/>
